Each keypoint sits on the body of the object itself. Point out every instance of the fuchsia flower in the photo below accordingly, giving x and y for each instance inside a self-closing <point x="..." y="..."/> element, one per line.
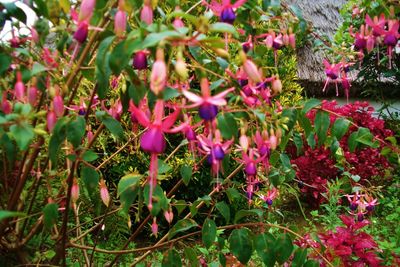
<point x="120" y="21"/>
<point x="104" y="195"/>
<point x="146" y="14"/>
<point x="377" y="24"/>
<point x="115" y="109"/>
<point x="19" y="88"/>
<point x="6" y="106"/>
<point x="75" y="191"/>
<point x="86" y="10"/>
<point x="271" y="195"/>
<point x="208" y="105"/>
<point x="140" y="60"/>
<point x="224" y="9"/>
<point x="158" y="78"/>
<point x="153" y="140"/>
<point x="332" y="73"/>
<point x="51" y="120"/>
<point x="58" y="105"/>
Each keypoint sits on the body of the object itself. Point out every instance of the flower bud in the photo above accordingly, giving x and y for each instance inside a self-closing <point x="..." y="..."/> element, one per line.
<point x="154" y="227"/>
<point x="140" y="60"/>
<point x="285" y="39"/>
<point x="276" y="86"/>
<point x="104" y="195"/>
<point x="19" y="88"/>
<point x="51" y="120"/>
<point x="169" y="216"/>
<point x="82" y="32"/>
<point x="146" y="14"/>
<point x="292" y="39"/>
<point x="75" y="191"/>
<point x="120" y="21"/>
<point x="180" y="68"/>
<point x="58" y="105"/>
<point x="244" y="142"/>
<point x="273" y="141"/>
<point x="251" y="70"/>
<point x="158" y="77"/>
<point x="86" y="10"/>
<point x="370" y="44"/>
<point x="34" y="35"/>
<point x="178" y="23"/>
<point x="269" y="41"/>
<point x="5" y="104"/>
<point x="32" y="95"/>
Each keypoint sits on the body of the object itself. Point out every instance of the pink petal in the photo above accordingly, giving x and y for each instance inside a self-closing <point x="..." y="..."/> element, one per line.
<point x="217" y="101"/>
<point x="193" y="97"/>
<point x="140" y="115"/>
<point x="170" y="120"/>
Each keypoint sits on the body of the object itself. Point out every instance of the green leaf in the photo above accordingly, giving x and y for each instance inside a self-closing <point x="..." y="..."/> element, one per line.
<point x="122" y="53"/>
<point x="14" y="11"/>
<point x="208" y="232"/>
<point x="222" y="63"/>
<point x="37" y="68"/>
<point x="352" y="141"/>
<point x="50" y="215"/>
<point x="244" y="213"/>
<point x="340" y="127"/>
<point x="227" y="125"/>
<point x="182" y="226"/>
<point x="186" y="173"/>
<point x="291" y="116"/>
<point x="300" y="257"/>
<point x="103" y="70"/>
<point x="4" y="214"/>
<point x="154" y="39"/>
<point x="91" y="179"/>
<point x="232" y="194"/>
<point x="5" y="62"/>
<point x="283" y="248"/>
<point x="58" y="136"/>
<point x="265" y="244"/>
<point x="89" y="156"/>
<point x="172" y="259"/>
<point x="224" y="209"/>
<point x="160" y="201"/>
<point x="224" y="28"/>
<point x="128" y="189"/>
<point x="190" y="255"/>
<point x="321" y="123"/>
<point x="23" y="134"/>
<point x="111" y="124"/>
<point x="285" y="161"/>
<point x="310" y="104"/>
<point x="76" y="131"/>
<point x="364" y="136"/>
<point x="163" y="167"/>
<point x="241" y="244"/>
<point x="305" y="123"/>
<point x="298" y="141"/>
<point x="311" y="263"/>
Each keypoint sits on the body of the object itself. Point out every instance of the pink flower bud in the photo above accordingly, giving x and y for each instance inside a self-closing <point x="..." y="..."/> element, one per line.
<point x="285" y="39"/>
<point x="269" y="41"/>
<point x="82" y="32"/>
<point x="58" y="105"/>
<point x="370" y="43"/>
<point x="140" y="60"/>
<point x="19" y="88"/>
<point x="5" y="104"/>
<point x="90" y="136"/>
<point x="154" y="227"/>
<point x="169" y="216"/>
<point x="251" y="70"/>
<point x="273" y="141"/>
<point x="34" y="35"/>
<point x="86" y="10"/>
<point x="158" y="77"/>
<point x="292" y="40"/>
<point x="146" y="14"/>
<point x="244" y="142"/>
<point x="75" y="191"/>
<point x="276" y="86"/>
<point x="120" y="23"/>
<point x="32" y="95"/>
<point x="51" y="120"/>
<point x="178" y="23"/>
<point x="180" y="68"/>
<point x="104" y="195"/>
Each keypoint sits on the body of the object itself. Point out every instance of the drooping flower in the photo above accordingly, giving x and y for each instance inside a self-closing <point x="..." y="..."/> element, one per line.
<point x="140" y="60"/>
<point x="120" y="21"/>
<point x="271" y="195"/>
<point x="19" y="88"/>
<point x="86" y="10"/>
<point x="104" y="195"/>
<point x="332" y="73"/>
<point x="146" y="14"/>
<point x="208" y="105"/>
<point x="224" y="9"/>
<point x="158" y="78"/>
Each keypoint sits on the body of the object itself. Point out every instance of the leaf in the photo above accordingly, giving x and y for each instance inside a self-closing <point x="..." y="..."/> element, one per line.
<point x="265" y="244"/>
<point x="364" y="136"/>
<point x="160" y="201"/>
<point x="23" y="134"/>
<point x="103" y="70"/>
<point x="128" y="189"/>
<point x="299" y="258"/>
<point x="182" y="226"/>
<point x="76" y="131"/>
<point x="65" y="6"/>
<point x="120" y="57"/>
<point x="186" y="173"/>
<point x="283" y="248"/>
<point x="224" y="28"/>
<point x="298" y="141"/>
<point x="241" y="244"/>
<point x="50" y="214"/>
<point x="4" y="214"/>
<point x="91" y="179"/>
<point x="285" y="161"/>
<point x="340" y="127"/>
<point x="163" y="167"/>
<point x="310" y="104"/>
<point x="14" y="11"/>
<point x="208" y="232"/>
<point x="352" y="142"/>
<point x="172" y="259"/>
<point x="5" y="62"/>
<point x="89" y="156"/>
<point x="111" y="124"/>
<point x="190" y="254"/>
<point x="224" y="209"/>
<point x="232" y="194"/>
<point x="321" y="124"/>
<point x="305" y="123"/>
<point x="244" y="213"/>
<point x="154" y="39"/>
<point x="222" y="63"/>
<point x="58" y="136"/>
<point x="227" y="125"/>
<point x="311" y="263"/>
<point x="37" y="68"/>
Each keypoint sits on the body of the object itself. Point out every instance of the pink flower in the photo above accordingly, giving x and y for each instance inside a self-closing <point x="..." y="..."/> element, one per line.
<point x="51" y="120"/>
<point x="271" y="195"/>
<point x="208" y="104"/>
<point x="104" y="195"/>
<point x="75" y="190"/>
<point x="332" y="72"/>
<point x="146" y="14"/>
<point x="158" y="77"/>
<point x="19" y="88"/>
<point x="154" y="227"/>
<point x="86" y="10"/>
<point x="224" y="9"/>
<point x="120" y="21"/>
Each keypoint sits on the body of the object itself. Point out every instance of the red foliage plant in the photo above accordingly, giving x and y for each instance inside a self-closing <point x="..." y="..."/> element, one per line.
<point x="315" y="167"/>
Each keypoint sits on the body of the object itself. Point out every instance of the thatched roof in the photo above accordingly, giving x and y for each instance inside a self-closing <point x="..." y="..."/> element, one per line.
<point x="325" y="18"/>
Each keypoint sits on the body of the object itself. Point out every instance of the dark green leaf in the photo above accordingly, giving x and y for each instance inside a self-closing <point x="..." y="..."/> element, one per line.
<point x="300" y="257"/>
<point x="76" y="131"/>
<point x="160" y="201"/>
<point x="89" y="156"/>
<point x="224" y="28"/>
<point x="232" y="194"/>
<point x="172" y="259"/>
<point x="182" y="226"/>
<point x="227" y="125"/>
<point x="154" y="39"/>
<point x="4" y="214"/>
<point x="298" y="141"/>
<point x="310" y="104"/>
<point x="50" y="212"/>
<point x="352" y="141"/>
<point x="244" y="213"/>
<point x="340" y="127"/>
<point x="5" y="62"/>
<point x="311" y="263"/>
<point x="208" y="232"/>
<point x="91" y="180"/>
<point x="321" y="122"/>
<point x="265" y="247"/>
<point x="311" y="140"/>
<point x="102" y="66"/>
<point x="111" y="124"/>
<point x="128" y="189"/>
<point x="186" y="173"/>
<point x="285" y="161"/>
<point x="23" y="134"/>
<point x="241" y="244"/>
<point x="14" y="11"/>
<point x="224" y="209"/>
<point x="283" y="248"/>
<point x="190" y="255"/>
